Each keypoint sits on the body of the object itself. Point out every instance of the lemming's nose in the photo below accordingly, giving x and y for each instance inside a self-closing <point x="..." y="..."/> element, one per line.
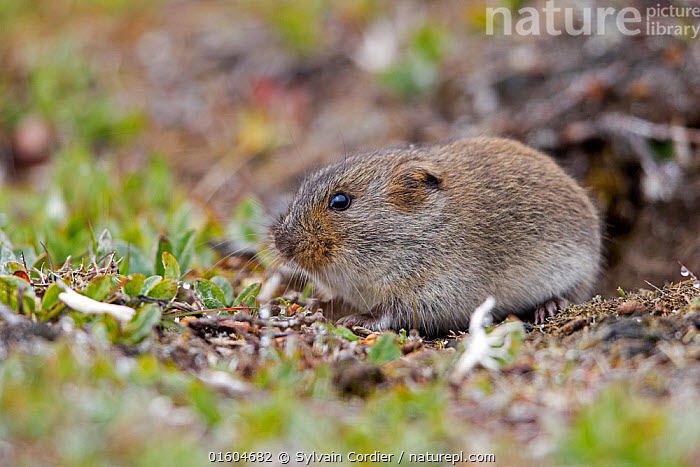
<point x="283" y="241"/>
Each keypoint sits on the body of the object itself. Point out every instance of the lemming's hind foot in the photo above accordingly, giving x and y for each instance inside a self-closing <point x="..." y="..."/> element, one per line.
<point x="365" y="320"/>
<point x="551" y="308"/>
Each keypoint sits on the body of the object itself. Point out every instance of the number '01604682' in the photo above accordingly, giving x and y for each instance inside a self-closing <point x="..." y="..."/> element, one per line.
<point x="240" y="456"/>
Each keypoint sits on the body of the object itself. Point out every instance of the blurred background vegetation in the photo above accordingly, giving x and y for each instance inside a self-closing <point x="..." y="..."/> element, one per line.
<point x="175" y="116"/>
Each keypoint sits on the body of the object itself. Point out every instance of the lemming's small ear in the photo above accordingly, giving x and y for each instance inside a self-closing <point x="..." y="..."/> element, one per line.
<point x="411" y="186"/>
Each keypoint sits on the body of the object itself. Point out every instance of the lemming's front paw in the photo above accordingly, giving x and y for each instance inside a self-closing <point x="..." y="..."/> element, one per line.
<point x="365" y="320"/>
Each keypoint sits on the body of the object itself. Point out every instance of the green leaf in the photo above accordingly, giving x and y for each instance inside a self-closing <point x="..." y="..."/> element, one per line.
<point x="225" y="287"/>
<point x="42" y="261"/>
<point x="212" y="304"/>
<point x="100" y="287"/>
<point x="135" y="284"/>
<point x="13" y="266"/>
<point x="212" y="296"/>
<point x="184" y="248"/>
<point x="248" y="296"/>
<point x="140" y="327"/>
<point x="171" y="268"/>
<point x="341" y="331"/>
<point x="163" y="245"/>
<point x="11" y="288"/>
<point x="51" y="306"/>
<point x="6" y="253"/>
<point x="165" y="289"/>
<point x="28" y="253"/>
<point x="134" y="261"/>
<point x="50" y="297"/>
<point x="385" y="349"/>
<point x="150" y="282"/>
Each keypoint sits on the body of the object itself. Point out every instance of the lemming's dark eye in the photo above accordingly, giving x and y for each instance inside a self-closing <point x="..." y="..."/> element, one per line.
<point x="339" y="201"/>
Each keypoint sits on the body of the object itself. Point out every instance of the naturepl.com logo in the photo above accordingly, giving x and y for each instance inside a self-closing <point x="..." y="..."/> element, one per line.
<point x="555" y="19"/>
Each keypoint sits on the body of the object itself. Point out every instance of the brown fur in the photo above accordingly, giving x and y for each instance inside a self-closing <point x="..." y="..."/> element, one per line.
<point x="410" y="188"/>
<point x="432" y="231"/>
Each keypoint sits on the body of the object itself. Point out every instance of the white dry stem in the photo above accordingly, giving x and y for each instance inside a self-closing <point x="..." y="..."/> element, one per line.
<point x="481" y="348"/>
<point x="87" y="305"/>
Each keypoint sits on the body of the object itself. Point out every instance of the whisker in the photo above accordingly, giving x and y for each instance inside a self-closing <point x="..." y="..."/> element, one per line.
<point x="362" y="297"/>
<point x="230" y="255"/>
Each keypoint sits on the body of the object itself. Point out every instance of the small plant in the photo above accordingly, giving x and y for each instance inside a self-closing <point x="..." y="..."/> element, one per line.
<point x="490" y="350"/>
<point x="385" y="349"/>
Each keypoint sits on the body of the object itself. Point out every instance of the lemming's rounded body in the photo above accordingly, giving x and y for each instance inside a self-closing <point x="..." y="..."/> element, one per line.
<point x="421" y="236"/>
